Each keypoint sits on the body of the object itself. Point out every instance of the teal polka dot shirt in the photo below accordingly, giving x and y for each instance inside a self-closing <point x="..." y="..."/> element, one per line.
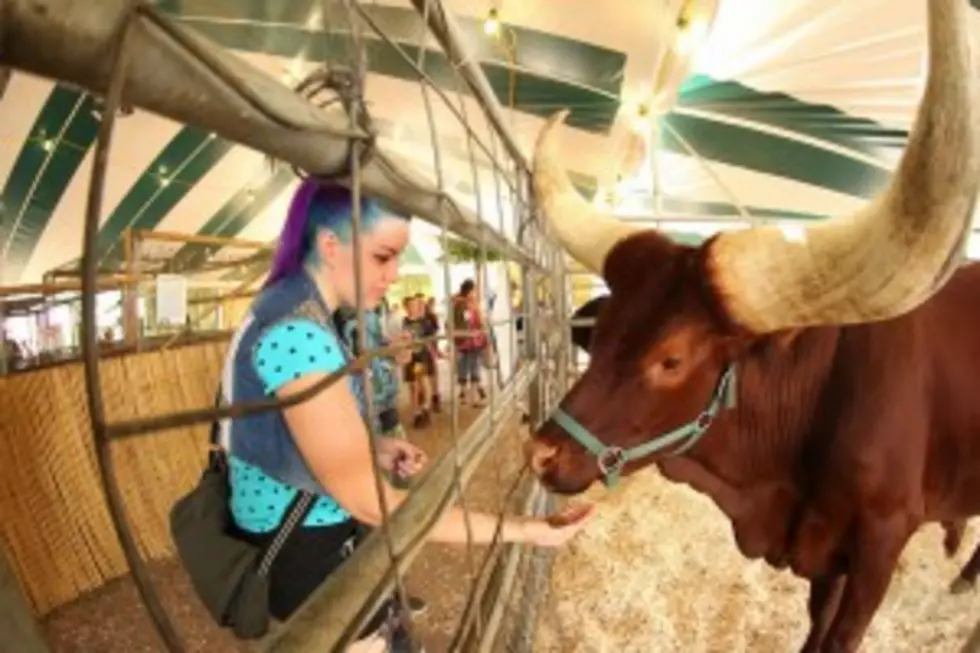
<point x="285" y="351"/>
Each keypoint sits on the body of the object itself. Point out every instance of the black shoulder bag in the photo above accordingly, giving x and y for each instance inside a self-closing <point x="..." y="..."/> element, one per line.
<point x="230" y="576"/>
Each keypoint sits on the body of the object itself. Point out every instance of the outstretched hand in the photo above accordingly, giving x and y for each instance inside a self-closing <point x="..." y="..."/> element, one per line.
<point x="401" y="457"/>
<point x="557" y="529"/>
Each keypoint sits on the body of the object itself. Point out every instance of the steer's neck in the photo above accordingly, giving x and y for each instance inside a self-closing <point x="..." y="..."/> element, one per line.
<point x="759" y="444"/>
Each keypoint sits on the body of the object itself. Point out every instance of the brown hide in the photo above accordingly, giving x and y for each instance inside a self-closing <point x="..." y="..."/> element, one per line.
<point x="837" y="431"/>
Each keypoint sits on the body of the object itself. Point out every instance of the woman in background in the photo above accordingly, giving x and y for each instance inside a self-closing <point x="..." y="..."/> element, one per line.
<point x="470" y="343"/>
<point x="431" y="330"/>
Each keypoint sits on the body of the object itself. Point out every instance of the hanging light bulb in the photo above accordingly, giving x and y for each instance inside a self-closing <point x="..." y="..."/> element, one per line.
<point x="491" y="25"/>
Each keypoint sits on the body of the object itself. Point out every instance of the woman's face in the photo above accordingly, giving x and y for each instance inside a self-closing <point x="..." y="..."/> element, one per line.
<point x="381" y="247"/>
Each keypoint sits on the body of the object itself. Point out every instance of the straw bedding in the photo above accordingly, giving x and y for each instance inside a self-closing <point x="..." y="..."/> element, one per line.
<point x="658" y="571"/>
<point x="55" y="526"/>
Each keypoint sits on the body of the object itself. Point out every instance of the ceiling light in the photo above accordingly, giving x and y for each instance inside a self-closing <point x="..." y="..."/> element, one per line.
<point x="492" y="23"/>
<point x="691" y="34"/>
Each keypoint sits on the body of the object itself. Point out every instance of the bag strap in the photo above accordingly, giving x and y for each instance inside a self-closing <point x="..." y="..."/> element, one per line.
<point x="217" y="458"/>
<point x="297" y="512"/>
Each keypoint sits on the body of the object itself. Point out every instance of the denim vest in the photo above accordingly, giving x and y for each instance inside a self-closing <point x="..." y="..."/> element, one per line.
<point x="263" y="439"/>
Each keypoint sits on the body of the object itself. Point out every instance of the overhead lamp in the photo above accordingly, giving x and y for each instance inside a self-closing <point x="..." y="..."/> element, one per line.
<point x="491" y="25"/>
<point x="691" y="33"/>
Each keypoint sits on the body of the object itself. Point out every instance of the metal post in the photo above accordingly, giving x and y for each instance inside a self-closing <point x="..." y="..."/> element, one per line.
<point x="447" y="33"/>
<point x="130" y="298"/>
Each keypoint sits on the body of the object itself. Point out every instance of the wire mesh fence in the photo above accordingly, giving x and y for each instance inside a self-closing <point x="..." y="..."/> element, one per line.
<point x="325" y="130"/>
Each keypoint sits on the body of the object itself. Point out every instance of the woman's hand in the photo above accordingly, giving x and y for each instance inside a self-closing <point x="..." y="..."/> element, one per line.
<point x="557" y="529"/>
<point x="400" y="457"/>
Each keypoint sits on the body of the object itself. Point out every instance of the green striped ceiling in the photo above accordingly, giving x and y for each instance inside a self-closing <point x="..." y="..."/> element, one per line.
<point x="552" y="71"/>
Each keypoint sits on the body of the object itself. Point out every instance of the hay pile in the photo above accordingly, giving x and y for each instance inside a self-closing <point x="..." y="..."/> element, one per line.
<point x="658" y="570"/>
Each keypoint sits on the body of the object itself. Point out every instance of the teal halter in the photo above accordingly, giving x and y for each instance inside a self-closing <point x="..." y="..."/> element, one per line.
<point x="612" y="459"/>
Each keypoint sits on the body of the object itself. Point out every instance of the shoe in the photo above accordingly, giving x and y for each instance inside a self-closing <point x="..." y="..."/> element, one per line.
<point x="416" y="605"/>
<point x="401" y="643"/>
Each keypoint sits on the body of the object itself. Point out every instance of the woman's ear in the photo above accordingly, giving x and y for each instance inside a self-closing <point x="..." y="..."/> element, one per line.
<point x="327" y="247"/>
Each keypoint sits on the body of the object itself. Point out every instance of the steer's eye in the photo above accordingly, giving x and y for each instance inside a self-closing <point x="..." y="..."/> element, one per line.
<point x="670" y="363"/>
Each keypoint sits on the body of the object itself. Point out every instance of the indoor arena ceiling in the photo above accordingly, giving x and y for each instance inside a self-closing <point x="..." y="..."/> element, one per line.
<point x="799" y="109"/>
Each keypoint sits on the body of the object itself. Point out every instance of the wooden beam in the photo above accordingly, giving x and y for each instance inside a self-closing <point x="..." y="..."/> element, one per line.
<point x="109" y="282"/>
<point x="200" y="239"/>
<point x="19" y="630"/>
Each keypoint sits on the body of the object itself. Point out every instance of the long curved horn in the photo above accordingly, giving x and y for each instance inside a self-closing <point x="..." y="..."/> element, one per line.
<point x="894" y="254"/>
<point x="586" y="233"/>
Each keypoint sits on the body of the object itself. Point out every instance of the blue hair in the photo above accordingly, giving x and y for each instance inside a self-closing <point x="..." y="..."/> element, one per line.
<point x="316" y="206"/>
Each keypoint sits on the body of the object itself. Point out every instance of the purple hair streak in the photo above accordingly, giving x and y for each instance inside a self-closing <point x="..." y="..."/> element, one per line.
<point x="317" y="206"/>
<point x="289" y="255"/>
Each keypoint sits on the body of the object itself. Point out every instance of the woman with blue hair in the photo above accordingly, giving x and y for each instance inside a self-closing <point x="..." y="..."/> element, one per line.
<point x="289" y="342"/>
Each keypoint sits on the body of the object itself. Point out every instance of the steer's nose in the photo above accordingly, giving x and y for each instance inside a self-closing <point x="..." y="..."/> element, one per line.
<point x="538" y="454"/>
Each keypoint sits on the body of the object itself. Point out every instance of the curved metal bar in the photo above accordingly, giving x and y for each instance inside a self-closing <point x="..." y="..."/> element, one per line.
<point x="90" y="356"/>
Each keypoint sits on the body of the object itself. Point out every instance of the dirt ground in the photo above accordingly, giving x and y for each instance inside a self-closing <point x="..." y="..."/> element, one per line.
<point x="112" y="619"/>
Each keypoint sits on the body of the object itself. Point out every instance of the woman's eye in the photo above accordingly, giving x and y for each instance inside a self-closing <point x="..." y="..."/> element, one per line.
<point x="382" y="258"/>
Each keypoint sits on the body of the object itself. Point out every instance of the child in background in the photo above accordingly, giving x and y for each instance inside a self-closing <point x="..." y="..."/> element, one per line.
<point x="418" y="371"/>
<point x="431" y="329"/>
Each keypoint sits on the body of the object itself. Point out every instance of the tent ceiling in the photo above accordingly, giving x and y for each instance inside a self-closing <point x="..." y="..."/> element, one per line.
<point x="800" y="107"/>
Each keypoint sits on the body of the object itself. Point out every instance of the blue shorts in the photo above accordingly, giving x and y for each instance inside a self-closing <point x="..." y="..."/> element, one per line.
<point x="468" y="366"/>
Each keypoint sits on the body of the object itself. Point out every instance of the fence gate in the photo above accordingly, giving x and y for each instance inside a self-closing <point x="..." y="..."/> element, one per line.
<point x="133" y="55"/>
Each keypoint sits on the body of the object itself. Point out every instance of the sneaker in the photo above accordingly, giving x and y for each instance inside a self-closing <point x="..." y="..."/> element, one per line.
<point x="400" y="642"/>
<point x="416" y="605"/>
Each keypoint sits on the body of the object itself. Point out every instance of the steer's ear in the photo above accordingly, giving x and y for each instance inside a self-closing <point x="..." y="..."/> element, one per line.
<point x="582" y="335"/>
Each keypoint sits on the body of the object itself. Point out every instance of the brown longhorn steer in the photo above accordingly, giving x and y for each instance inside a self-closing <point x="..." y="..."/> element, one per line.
<point x="821" y="391"/>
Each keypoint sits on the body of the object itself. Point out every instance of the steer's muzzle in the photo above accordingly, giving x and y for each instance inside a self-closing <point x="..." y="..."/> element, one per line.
<point x="562" y="466"/>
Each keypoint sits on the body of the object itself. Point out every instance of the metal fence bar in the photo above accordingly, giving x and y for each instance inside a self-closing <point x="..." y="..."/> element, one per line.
<point x="90" y="354"/>
<point x="180" y="75"/>
<point x="183" y="76"/>
<point x="328" y="620"/>
<point x="447" y="33"/>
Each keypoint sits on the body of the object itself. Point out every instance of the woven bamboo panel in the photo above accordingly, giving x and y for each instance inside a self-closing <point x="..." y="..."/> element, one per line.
<point x="55" y="522"/>
<point x="234" y="311"/>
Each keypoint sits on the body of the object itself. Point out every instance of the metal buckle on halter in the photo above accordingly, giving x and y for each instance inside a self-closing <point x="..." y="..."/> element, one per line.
<point x="704" y="420"/>
<point x="611" y="460"/>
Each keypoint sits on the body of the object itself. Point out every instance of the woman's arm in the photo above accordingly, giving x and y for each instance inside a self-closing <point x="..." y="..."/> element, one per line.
<point x="297" y="353"/>
<point x="333" y="440"/>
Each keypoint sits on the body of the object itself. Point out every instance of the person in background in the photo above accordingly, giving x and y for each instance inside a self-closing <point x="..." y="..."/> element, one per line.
<point x="418" y="370"/>
<point x="13" y="352"/>
<point x="384" y="377"/>
<point x="470" y="343"/>
<point x="431" y="330"/>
